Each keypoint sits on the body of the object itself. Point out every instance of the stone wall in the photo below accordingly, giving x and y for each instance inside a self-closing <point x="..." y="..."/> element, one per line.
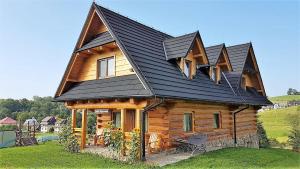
<point x="250" y="141"/>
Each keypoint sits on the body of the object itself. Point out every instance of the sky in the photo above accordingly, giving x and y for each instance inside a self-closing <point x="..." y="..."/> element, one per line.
<point x="37" y="37"/>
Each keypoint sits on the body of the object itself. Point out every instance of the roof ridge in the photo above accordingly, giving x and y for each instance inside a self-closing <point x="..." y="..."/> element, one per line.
<point x="150" y="27"/>
<point x="248" y="43"/>
<point x="221" y="44"/>
<point x="182" y="35"/>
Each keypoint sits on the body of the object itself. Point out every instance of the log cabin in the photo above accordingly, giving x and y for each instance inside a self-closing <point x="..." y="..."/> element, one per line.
<point x="139" y="77"/>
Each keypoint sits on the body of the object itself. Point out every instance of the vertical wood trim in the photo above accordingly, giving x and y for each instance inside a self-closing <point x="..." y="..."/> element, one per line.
<point x="138" y="118"/>
<point x="73" y="118"/>
<point x="83" y="127"/>
<point x="123" y="114"/>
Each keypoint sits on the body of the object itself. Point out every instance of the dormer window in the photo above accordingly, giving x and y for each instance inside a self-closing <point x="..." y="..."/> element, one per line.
<point x="106" y="67"/>
<point x="215" y="74"/>
<point x="187" y="68"/>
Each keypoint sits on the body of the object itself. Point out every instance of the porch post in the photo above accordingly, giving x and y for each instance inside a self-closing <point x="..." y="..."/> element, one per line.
<point x="143" y="144"/>
<point x="138" y="118"/>
<point x="83" y="128"/>
<point x="123" y="114"/>
<point x="73" y="118"/>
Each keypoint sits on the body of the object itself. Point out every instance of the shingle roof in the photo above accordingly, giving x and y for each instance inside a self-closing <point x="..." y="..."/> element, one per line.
<point x="213" y="53"/>
<point x="178" y="46"/>
<point x="238" y="55"/>
<point x="120" y="86"/>
<point x="146" y="49"/>
<point x="100" y="39"/>
<point x="144" y="46"/>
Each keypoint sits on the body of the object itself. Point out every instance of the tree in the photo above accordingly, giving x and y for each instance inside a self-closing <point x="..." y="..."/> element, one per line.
<point x="294" y="134"/>
<point x="262" y="136"/>
<point x="292" y="91"/>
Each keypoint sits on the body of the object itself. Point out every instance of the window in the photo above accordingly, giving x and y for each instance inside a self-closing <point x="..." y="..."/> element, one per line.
<point x="188" y="122"/>
<point x="213" y="74"/>
<point x="117" y="119"/>
<point x="217" y="120"/>
<point x="187" y="68"/>
<point x="106" y="67"/>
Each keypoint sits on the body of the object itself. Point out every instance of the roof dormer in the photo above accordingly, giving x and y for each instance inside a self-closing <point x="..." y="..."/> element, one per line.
<point x="188" y="51"/>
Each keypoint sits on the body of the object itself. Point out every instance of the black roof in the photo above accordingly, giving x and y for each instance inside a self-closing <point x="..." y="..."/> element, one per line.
<point x="213" y="53"/>
<point x="238" y="55"/>
<point x="156" y="75"/>
<point x="115" y="87"/>
<point x="100" y="39"/>
<point x="179" y="46"/>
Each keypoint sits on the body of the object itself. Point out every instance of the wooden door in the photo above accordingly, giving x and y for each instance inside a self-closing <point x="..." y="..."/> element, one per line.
<point x="130" y="120"/>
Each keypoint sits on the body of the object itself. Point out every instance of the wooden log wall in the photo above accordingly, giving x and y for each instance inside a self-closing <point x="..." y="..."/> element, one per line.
<point x="88" y="68"/>
<point x="169" y="121"/>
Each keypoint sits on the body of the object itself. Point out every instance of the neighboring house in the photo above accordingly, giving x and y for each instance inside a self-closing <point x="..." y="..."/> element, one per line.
<point x="47" y="123"/>
<point x="139" y="77"/>
<point x="59" y="124"/>
<point x="30" y="123"/>
<point x="7" y="121"/>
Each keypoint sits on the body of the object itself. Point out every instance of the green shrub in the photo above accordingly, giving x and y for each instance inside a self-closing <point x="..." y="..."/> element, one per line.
<point x="116" y="143"/>
<point x="294" y="134"/>
<point x="51" y="130"/>
<point x="67" y="139"/>
<point x="134" y="145"/>
<point x="262" y="136"/>
<point x="8" y="128"/>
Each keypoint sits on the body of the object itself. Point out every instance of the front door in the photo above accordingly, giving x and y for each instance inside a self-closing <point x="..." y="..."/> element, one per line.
<point x="129" y="120"/>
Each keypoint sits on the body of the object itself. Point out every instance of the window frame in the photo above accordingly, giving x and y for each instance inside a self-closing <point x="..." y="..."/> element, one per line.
<point x="107" y="68"/>
<point x="146" y="122"/>
<point x="219" y="124"/>
<point x="113" y="117"/>
<point x="192" y="122"/>
<point x="187" y="62"/>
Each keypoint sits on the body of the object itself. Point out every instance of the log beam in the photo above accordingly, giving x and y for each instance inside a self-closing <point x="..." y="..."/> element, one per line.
<point x="83" y="126"/>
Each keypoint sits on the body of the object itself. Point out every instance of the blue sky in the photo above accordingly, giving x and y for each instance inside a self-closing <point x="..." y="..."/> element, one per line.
<point x="37" y="37"/>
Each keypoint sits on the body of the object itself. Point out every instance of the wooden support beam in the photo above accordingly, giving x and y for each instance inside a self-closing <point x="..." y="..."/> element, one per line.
<point x="138" y="118"/>
<point x="83" y="126"/>
<point x="132" y="100"/>
<point x="123" y="117"/>
<point x="93" y="51"/>
<point x="108" y="105"/>
<point x="73" y="118"/>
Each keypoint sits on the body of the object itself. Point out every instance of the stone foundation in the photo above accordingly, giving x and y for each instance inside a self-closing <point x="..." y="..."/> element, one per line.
<point x="250" y="141"/>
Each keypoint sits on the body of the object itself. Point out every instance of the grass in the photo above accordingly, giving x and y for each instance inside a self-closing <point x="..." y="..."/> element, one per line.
<point x="284" y="99"/>
<point x="242" y="158"/>
<point x="51" y="155"/>
<point x="45" y="134"/>
<point x="276" y="124"/>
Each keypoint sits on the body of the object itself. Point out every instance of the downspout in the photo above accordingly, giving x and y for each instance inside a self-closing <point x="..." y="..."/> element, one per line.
<point x="234" y="113"/>
<point x="143" y="119"/>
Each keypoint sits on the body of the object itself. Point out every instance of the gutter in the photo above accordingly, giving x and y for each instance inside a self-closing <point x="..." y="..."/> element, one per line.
<point x="234" y="113"/>
<point x="143" y="118"/>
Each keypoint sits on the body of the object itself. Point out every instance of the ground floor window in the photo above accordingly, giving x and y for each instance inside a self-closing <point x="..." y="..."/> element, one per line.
<point x="217" y="120"/>
<point x="117" y="119"/>
<point x="188" y="122"/>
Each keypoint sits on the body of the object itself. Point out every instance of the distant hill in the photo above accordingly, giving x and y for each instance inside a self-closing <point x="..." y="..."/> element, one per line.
<point x="284" y="99"/>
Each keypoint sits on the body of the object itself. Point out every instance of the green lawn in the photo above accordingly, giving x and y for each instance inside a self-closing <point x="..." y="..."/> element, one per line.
<point x="275" y="122"/>
<point x="284" y="99"/>
<point x="38" y="135"/>
<point x="51" y="155"/>
<point x="235" y="158"/>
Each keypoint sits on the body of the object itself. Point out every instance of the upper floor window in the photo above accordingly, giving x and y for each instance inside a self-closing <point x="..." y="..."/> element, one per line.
<point x="187" y="68"/>
<point x="106" y="67"/>
<point x="213" y="74"/>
